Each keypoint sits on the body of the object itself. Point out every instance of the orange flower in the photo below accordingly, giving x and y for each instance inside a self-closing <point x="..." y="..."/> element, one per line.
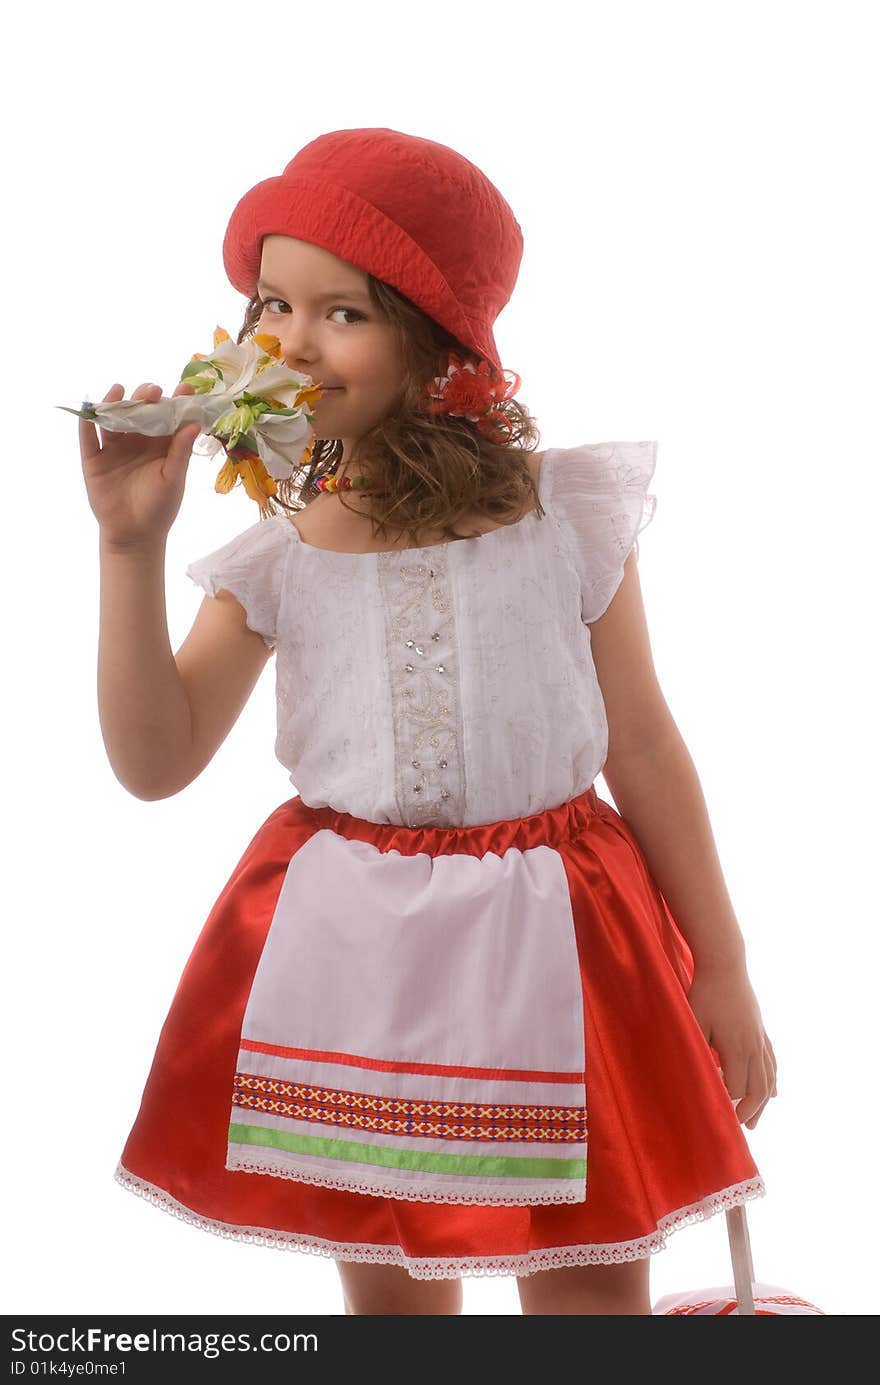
<point x="246" y="467"/>
<point x="267" y="343"/>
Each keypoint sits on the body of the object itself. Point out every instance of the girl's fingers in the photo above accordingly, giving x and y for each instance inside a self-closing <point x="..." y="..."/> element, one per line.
<point x="769" y="1074"/>
<point x="757" y="1091"/>
<point x="772" y="1061"/>
<point x="736" y="1079"/>
<point x="742" y="1093"/>
<point x="769" y="1065"/>
<point x="113" y="396"/>
<point x="88" y="433"/>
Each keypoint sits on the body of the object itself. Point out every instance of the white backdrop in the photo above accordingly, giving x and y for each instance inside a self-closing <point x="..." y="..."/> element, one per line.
<point x="695" y="186"/>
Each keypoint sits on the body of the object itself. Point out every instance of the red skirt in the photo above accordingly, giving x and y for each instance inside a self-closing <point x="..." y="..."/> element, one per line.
<point x="461" y="1050"/>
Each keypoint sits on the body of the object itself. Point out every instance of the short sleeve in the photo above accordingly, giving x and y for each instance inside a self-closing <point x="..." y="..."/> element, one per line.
<point x="251" y="566"/>
<point x="600" y="499"/>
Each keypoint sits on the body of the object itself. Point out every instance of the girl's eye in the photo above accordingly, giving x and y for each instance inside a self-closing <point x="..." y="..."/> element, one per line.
<point x="354" y="311"/>
<point x="359" y="317"/>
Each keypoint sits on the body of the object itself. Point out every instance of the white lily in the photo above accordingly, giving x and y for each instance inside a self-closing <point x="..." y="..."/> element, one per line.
<point x="243" y="366"/>
<point x="244" y="397"/>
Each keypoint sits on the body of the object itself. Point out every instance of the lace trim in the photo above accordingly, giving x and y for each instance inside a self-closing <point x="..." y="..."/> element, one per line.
<point x="406" y="1193"/>
<point x="450" y="1267"/>
<point x="423" y="672"/>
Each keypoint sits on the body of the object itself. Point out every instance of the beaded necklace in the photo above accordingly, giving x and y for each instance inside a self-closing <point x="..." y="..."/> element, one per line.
<point x="332" y="483"/>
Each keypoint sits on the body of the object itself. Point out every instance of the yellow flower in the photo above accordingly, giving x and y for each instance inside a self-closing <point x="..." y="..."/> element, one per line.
<point x="307" y="396"/>
<point x="249" y="470"/>
<point x="226" y="477"/>
<point x="257" y="481"/>
<point x="266" y="342"/>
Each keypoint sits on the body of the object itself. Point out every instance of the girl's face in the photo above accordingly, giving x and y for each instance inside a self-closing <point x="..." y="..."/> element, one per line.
<point x="320" y="309"/>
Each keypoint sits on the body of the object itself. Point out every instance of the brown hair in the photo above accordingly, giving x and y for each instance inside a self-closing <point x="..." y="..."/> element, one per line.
<point x="428" y="469"/>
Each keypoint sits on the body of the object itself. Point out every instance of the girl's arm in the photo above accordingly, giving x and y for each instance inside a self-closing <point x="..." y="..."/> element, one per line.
<point x="144" y="710"/>
<point x="659" y="794"/>
<point x="654" y="783"/>
<point x="656" y="790"/>
<point x="162" y="719"/>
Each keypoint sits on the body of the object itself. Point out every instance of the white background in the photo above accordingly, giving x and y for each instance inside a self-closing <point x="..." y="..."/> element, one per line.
<point x="695" y="185"/>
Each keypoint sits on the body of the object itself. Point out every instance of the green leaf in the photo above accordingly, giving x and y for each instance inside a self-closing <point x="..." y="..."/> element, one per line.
<point x="195" y="368"/>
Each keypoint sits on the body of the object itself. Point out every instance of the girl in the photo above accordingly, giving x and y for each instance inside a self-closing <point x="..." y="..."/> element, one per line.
<point x="453" y="1013"/>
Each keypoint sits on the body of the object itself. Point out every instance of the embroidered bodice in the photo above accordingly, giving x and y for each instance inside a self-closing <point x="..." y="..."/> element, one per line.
<point x="454" y="684"/>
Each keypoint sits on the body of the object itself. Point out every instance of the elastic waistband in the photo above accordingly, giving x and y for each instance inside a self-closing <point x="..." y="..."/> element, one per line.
<point x="550" y="827"/>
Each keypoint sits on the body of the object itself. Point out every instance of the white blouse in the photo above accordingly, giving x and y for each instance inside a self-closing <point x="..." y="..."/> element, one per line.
<point x="454" y="684"/>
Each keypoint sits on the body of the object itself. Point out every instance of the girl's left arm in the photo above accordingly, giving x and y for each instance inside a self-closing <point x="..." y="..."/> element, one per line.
<point x="657" y="791"/>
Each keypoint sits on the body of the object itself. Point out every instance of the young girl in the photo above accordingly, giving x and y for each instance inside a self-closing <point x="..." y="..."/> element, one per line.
<point x="453" y="1013"/>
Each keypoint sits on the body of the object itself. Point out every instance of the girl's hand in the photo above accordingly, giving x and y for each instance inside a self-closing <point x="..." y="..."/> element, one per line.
<point x="135" y="484"/>
<point x="725" y="1005"/>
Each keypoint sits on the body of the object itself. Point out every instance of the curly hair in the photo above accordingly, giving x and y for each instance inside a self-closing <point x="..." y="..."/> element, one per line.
<point x="428" y="469"/>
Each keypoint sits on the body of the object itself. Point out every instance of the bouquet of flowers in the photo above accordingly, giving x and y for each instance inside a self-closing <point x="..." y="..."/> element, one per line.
<point x="247" y="403"/>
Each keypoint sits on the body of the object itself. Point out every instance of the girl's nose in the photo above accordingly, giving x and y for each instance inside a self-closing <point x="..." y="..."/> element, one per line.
<point x="295" y="360"/>
<point x="296" y="346"/>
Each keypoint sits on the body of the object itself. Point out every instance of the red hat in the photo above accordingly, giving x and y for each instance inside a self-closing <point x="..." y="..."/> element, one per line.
<point x="414" y="213"/>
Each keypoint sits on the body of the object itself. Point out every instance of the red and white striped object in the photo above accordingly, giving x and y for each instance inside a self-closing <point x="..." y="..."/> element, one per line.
<point x="744" y="1296"/>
